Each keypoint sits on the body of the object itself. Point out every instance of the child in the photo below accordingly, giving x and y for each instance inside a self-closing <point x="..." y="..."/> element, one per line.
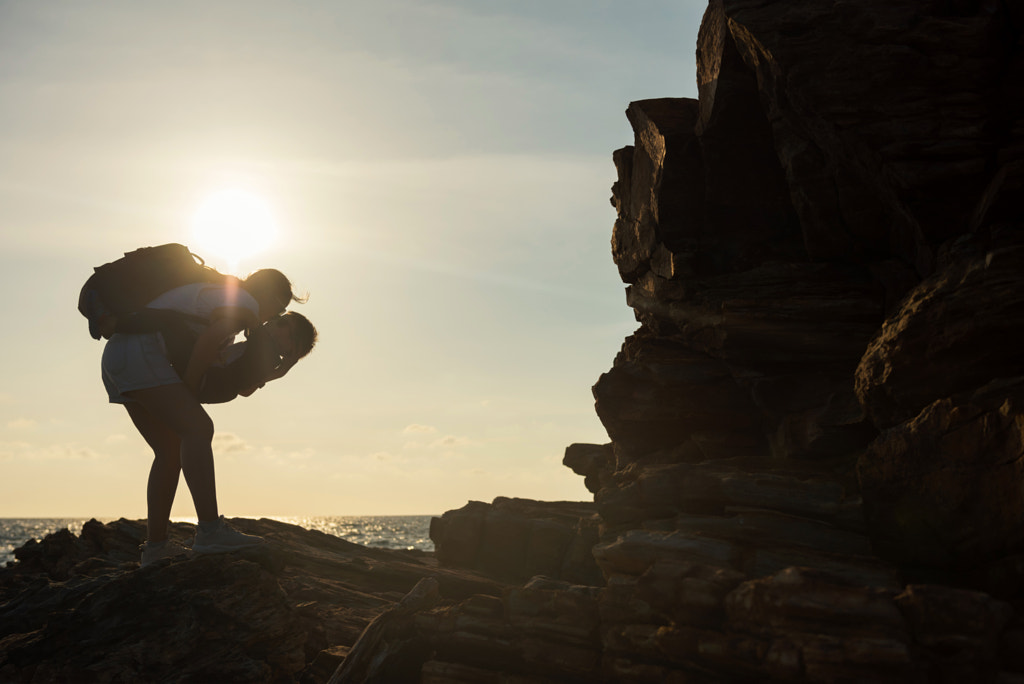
<point x="268" y="353"/>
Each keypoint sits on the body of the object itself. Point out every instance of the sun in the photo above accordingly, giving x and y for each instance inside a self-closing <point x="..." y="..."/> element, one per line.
<point x="233" y="224"/>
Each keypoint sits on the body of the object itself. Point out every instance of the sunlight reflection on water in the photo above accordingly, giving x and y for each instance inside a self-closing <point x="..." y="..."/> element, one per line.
<point x="377" y="531"/>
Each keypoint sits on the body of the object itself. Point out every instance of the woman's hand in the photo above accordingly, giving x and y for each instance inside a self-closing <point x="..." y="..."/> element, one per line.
<point x="282" y="368"/>
<point x="279" y="371"/>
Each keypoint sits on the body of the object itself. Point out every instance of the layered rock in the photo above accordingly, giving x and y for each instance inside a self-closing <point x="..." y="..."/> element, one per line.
<point x="814" y="471"/>
<point x="516" y="539"/>
<point x="815" y="466"/>
<point x="868" y="273"/>
<point x="79" y="609"/>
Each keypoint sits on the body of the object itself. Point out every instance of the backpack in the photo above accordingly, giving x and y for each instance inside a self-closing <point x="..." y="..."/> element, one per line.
<point x="114" y="297"/>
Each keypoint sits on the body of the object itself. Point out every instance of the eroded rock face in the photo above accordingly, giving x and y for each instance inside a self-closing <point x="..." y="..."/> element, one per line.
<point x="888" y="117"/>
<point x="955" y="332"/>
<point x="885" y="140"/>
<point x="942" y="483"/>
<point x="944" y="490"/>
<point x="814" y="471"/>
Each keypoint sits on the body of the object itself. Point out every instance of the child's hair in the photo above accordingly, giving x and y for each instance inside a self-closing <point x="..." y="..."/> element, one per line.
<point x="303" y="332"/>
<point x="273" y="282"/>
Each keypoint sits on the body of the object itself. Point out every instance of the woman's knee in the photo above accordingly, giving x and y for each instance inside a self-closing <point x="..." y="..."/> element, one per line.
<point x="174" y="409"/>
<point x="168" y="456"/>
<point x="199" y="429"/>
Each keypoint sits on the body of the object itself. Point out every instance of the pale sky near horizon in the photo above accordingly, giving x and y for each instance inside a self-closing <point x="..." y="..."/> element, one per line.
<point x="438" y="172"/>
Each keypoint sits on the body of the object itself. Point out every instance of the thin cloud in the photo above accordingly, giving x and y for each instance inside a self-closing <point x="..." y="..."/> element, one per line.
<point x="416" y="428"/>
<point x="25" y="451"/>
<point x="449" y="441"/>
<point x="229" y="443"/>
<point x="291" y="459"/>
<point x="21" y="424"/>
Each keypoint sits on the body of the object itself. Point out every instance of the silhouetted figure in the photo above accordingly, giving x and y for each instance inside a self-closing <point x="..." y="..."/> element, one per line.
<point x="162" y="389"/>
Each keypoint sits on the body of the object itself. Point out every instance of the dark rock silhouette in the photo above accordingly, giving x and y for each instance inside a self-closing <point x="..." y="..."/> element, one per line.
<point x="516" y="539"/>
<point x="816" y="465"/>
<point x="79" y="609"/>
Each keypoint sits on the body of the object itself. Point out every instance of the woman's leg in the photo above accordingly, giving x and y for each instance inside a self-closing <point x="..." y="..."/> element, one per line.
<point x="177" y="409"/>
<point x="163" y="474"/>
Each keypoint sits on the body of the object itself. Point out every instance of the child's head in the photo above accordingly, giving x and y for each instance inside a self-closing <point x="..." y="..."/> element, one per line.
<point x="272" y="290"/>
<point x="293" y="335"/>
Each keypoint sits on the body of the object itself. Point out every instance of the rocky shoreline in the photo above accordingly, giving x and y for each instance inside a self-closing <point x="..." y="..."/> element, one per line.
<point x="816" y="449"/>
<point x="79" y="608"/>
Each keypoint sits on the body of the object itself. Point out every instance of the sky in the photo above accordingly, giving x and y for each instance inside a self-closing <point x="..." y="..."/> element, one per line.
<point x="436" y="175"/>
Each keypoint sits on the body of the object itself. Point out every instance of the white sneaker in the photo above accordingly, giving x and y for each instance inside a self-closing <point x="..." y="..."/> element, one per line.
<point x="223" y="539"/>
<point x="152" y="552"/>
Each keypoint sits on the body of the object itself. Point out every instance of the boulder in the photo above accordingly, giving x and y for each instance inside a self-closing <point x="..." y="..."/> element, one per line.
<point x="515" y="539"/>
<point x="660" y="393"/>
<point x="595" y="462"/>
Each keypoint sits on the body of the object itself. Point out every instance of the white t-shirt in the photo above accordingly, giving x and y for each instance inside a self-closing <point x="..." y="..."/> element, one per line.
<point x="202" y="299"/>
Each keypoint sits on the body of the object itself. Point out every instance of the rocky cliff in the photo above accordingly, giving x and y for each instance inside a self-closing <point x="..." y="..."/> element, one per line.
<point x="816" y="465"/>
<point x="817" y="432"/>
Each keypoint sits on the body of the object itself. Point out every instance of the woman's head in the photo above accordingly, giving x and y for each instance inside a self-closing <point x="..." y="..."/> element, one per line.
<point x="272" y="290"/>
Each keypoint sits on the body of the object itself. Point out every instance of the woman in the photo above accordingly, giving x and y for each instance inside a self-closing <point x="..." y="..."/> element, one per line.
<point x="165" y="408"/>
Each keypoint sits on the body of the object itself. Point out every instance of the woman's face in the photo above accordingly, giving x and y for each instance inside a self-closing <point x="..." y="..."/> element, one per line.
<point x="271" y="306"/>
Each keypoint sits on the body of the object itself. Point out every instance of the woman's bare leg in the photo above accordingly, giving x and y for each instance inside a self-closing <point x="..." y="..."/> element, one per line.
<point x="163" y="474"/>
<point x="180" y="413"/>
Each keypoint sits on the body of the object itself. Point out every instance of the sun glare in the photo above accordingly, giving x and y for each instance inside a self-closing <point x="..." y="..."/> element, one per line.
<point x="233" y="225"/>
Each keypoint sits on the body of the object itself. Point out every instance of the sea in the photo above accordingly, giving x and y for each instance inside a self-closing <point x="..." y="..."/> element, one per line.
<point x="377" y="531"/>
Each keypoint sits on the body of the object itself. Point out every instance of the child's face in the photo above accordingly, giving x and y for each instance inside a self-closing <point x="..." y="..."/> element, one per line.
<point x="282" y="334"/>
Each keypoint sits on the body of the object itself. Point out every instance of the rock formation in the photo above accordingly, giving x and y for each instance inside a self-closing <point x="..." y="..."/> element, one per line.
<point x="816" y="465"/>
<point x="516" y="539"/>
<point x="79" y="609"/>
<point x="817" y="432"/>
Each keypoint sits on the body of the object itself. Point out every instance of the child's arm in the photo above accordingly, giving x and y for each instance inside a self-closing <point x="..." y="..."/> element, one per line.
<point x="206" y="350"/>
<point x="278" y="371"/>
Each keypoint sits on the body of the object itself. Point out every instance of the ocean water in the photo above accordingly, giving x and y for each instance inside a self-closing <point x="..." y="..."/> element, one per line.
<point x="377" y="531"/>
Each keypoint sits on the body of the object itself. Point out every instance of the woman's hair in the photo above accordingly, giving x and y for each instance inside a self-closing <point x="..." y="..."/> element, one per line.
<point x="270" y="281"/>
<point x="303" y="332"/>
